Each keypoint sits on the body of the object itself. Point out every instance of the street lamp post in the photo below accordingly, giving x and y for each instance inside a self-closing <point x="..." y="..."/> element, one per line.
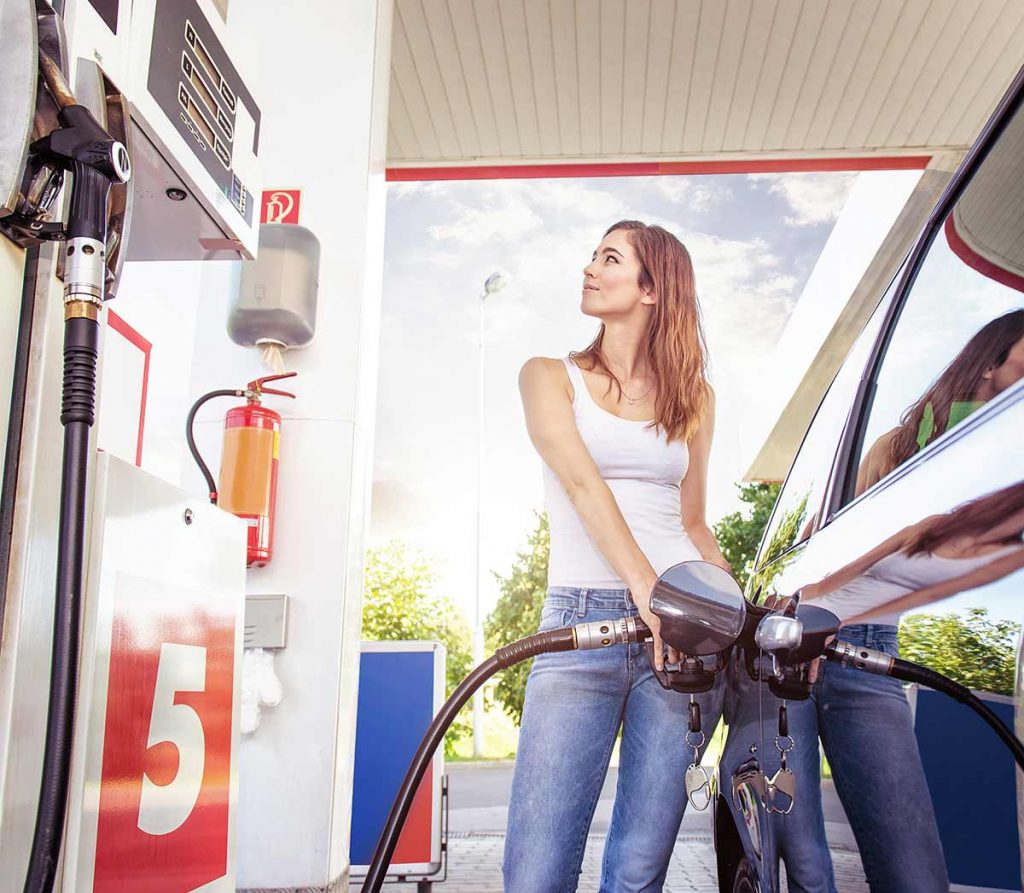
<point x="492" y="285"/>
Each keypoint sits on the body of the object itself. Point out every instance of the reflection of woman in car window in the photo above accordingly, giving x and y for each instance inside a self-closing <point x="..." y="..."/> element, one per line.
<point x="989" y="363"/>
<point x="976" y="543"/>
<point x="864" y="721"/>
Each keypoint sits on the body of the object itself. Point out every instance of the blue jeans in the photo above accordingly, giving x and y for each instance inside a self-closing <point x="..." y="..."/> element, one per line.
<point x="576" y="702"/>
<point x="867" y="730"/>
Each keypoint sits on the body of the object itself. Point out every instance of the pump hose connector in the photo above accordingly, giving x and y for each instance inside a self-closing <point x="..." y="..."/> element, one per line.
<point x="605" y="633"/>
<point x="867" y="659"/>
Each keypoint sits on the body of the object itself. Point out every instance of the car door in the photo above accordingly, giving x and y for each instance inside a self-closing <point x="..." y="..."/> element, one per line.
<point x="916" y="452"/>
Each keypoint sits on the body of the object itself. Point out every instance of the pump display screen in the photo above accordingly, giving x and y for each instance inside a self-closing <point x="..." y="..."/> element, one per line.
<point x="197" y="118"/>
<point x="194" y="82"/>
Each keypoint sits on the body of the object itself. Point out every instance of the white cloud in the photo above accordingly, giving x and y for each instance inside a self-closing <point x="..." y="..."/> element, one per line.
<point x="572" y="196"/>
<point x="695" y="195"/>
<point x="675" y="189"/>
<point x="508" y="211"/>
<point x="507" y="222"/>
<point x="813" y="198"/>
<point x="406" y="188"/>
<point x="706" y="195"/>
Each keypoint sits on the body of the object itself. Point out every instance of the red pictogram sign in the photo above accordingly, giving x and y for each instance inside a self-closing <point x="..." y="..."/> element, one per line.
<point x="166" y="778"/>
<point x="280" y="206"/>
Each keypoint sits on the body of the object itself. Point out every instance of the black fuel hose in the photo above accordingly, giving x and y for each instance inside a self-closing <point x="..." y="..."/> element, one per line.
<point x="190" y="436"/>
<point x="81" y="340"/>
<point x="96" y="160"/>
<point x="882" y="664"/>
<point x="539" y="643"/>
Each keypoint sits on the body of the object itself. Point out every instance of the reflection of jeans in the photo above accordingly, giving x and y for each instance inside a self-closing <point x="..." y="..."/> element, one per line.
<point x="752" y="713"/>
<point x="576" y="702"/>
<point x="867" y="731"/>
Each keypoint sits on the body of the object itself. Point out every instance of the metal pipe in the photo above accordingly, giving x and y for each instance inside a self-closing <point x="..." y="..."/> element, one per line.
<point x="16" y="417"/>
<point x="55" y="83"/>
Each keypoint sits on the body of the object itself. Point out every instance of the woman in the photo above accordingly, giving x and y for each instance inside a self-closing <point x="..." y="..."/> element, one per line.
<point x="624" y="429"/>
<point x="989" y="363"/>
<point x="864" y="721"/>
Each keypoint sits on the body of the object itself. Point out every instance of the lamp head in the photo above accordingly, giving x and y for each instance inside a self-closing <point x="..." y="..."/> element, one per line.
<point x="495" y="283"/>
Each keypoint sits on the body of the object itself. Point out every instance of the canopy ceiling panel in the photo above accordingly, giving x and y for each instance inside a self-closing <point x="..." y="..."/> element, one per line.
<point x="502" y="82"/>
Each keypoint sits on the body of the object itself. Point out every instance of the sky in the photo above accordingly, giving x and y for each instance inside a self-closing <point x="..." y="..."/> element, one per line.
<point x="754" y="241"/>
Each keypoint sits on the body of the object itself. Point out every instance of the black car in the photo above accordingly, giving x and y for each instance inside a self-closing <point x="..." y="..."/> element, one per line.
<point x="904" y="505"/>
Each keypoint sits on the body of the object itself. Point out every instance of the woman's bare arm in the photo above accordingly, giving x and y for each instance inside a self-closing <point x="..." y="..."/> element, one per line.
<point x="988" y="573"/>
<point x="693" y="490"/>
<point x="551" y="424"/>
<point x="849" y="573"/>
<point x="874" y="466"/>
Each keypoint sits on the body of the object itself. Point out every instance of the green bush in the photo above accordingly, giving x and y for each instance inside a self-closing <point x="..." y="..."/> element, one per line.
<point x="739" y="533"/>
<point x="517" y="614"/>
<point x="399" y="603"/>
<point x="975" y="651"/>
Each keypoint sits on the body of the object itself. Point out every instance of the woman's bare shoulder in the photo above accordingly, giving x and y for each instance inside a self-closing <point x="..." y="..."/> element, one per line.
<point x="545" y="373"/>
<point x="544" y="368"/>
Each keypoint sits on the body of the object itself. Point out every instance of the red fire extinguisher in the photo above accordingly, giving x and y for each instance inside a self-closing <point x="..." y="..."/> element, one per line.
<point x="248" y="467"/>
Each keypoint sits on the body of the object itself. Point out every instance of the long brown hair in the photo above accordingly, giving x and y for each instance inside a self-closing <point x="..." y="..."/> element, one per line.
<point x="675" y="349"/>
<point x="971" y="519"/>
<point x="959" y="381"/>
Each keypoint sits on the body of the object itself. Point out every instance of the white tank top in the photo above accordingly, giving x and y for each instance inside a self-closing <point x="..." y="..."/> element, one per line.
<point x="643" y="471"/>
<point x="897" y="575"/>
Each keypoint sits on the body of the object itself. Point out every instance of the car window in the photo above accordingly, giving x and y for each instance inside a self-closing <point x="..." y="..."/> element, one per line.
<point x="796" y="509"/>
<point x="959" y="340"/>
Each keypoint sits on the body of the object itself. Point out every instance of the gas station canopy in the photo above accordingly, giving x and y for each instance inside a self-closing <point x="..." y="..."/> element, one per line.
<point x="488" y="83"/>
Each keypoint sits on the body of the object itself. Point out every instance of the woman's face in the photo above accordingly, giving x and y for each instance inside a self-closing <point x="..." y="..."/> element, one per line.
<point x="611" y="281"/>
<point x="1010" y="371"/>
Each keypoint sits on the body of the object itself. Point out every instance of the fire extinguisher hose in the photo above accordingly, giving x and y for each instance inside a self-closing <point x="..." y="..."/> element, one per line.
<point x="190" y="436"/>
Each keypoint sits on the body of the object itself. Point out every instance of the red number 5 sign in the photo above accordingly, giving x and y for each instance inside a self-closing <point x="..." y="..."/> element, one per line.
<point x="165" y="788"/>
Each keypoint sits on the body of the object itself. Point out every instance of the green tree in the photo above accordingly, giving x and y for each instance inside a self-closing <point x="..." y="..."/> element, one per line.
<point x="399" y="603"/>
<point x="970" y="648"/>
<point x="739" y="533"/>
<point x="517" y="614"/>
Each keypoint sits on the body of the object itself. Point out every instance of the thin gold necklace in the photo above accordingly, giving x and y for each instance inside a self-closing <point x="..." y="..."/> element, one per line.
<point x="632" y="401"/>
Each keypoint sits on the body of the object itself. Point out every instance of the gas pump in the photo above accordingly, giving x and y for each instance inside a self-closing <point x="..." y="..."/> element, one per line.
<point x="130" y="137"/>
<point x="81" y="147"/>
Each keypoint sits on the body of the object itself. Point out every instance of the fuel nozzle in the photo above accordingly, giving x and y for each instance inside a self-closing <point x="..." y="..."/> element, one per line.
<point x="702" y="613"/>
<point x="783" y="645"/>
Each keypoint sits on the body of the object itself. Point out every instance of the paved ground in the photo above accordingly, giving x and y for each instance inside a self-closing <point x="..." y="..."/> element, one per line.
<point x="475" y="866"/>
<point x="479" y="809"/>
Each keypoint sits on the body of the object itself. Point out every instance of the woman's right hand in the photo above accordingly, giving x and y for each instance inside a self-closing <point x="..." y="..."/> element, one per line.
<point x="642" y="599"/>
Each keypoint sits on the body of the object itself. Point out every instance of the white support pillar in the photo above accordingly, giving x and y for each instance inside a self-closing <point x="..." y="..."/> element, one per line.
<point x="320" y="73"/>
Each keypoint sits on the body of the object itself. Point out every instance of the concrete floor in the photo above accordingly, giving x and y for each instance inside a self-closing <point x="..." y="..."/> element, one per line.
<point x="476" y="837"/>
